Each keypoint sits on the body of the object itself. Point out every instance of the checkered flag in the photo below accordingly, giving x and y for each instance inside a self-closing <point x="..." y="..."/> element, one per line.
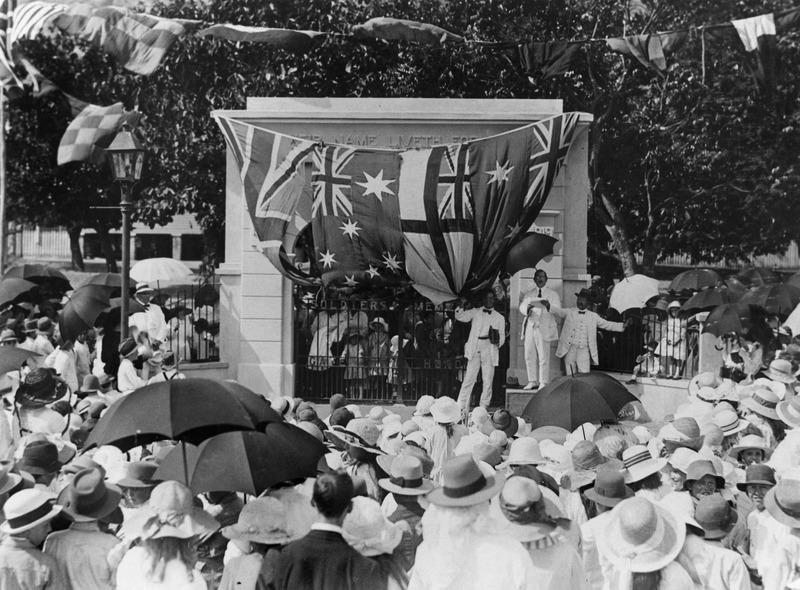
<point x="92" y="131"/>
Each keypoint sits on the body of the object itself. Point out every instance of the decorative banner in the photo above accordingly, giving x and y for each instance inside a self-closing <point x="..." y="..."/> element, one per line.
<point x="30" y="20"/>
<point x="760" y="43"/>
<point x="444" y="218"/>
<point x="92" y="131"/>
<point x="404" y="30"/>
<point x="286" y="39"/>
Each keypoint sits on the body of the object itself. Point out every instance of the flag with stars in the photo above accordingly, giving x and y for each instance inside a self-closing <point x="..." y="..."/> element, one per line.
<point x="355" y="215"/>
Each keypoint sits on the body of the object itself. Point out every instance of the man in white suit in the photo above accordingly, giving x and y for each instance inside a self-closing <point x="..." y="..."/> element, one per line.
<point x="538" y="330"/>
<point x="481" y="352"/>
<point x="578" y="342"/>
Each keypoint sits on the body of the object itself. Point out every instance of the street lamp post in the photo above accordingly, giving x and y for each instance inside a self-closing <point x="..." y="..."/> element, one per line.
<point x="127" y="158"/>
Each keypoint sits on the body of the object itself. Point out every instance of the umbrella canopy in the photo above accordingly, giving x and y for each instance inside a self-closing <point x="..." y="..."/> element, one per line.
<point x="13" y="290"/>
<point x="793" y="321"/>
<point x="206" y="295"/>
<point x="569" y="402"/>
<point x="779" y="299"/>
<point x="12" y="357"/>
<point x="112" y="280"/>
<point x="245" y="461"/>
<point x="529" y="251"/>
<point x="707" y="299"/>
<point x="633" y="292"/>
<point x="694" y="280"/>
<point x="756" y="277"/>
<point x="736" y="288"/>
<point x="729" y="317"/>
<point x="793" y="280"/>
<point x="154" y="270"/>
<point x="189" y="410"/>
<point x="110" y="317"/>
<point x="82" y="310"/>
<point x="40" y="274"/>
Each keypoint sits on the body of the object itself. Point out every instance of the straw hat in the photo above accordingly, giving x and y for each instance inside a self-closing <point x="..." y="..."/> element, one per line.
<point x="170" y="512"/>
<point x="758" y="473"/>
<point x="763" y="402"/>
<point x="716" y="516"/>
<point x="417" y="438"/>
<point x="729" y="421"/>
<point x="144" y="288"/>
<point x="586" y="459"/>
<point x="682" y="458"/>
<point x="41" y="387"/>
<point x="27" y="509"/>
<point x="525" y="511"/>
<point x="781" y="370"/>
<point x="639" y="463"/>
<point x="360" y="432"/>
<point x="609" y="488"/>
<point x="408" y="427"/>
<point x="524" y="451"/>
<point x="8" y="480"/>
<point x="751" y="441"/>
<point x="44" y="325"/>
<point x="88" y="498"/>
<point x="445" y="410"/>
<point x="464" y="484"/>
<point x="681" y="432"/>
<point x="139" y="474"/>
<point x="553" y="433"/>
<point x="789" y="411"/>
<point x="783" y="502"/>
<point x="706" y="379"/>
<point x="424" y="405"/>
<point x="700" y="468"/>
<point x="368" y="531"/>
<point x="405" y="476"/>
<point x="642" y="536"/>
<point x="8" y="336"/>
<point x="264" y="520"/>
<point x="127" y="347"/>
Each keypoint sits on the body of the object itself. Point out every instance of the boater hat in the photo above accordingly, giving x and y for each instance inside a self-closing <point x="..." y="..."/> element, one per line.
<point x="405" y="477"/>
<point x="445" y="410"/>
<point x="639" y="463"/>
<point x="27" y="509"/>
<point x="781" y="370"/>
<point x="144" y="288"/>
<point x="729" y="421"/>
<point x="763" y="402"/>
<point x="464" y="484"/>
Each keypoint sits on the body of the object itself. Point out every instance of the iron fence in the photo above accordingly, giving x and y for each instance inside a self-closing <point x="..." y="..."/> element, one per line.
<point x="380" y="350"/>
<point x="192" y="313"/>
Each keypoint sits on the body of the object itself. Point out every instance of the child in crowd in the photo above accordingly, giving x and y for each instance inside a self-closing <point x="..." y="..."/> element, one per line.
<point x="354" y="358"/>
<point x="647" y="363"/>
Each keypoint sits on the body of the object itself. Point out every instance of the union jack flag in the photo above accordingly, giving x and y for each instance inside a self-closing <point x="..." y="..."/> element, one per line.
<point x="552" y="139"/>
<point x="331" y="184"/>
<point x="455" y="191"/>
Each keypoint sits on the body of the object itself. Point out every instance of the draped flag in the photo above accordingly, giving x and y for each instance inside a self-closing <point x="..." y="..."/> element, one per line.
<point x="137" y="41"/>
<point x="760" y="42"/>
<point x="9" y="81"/>
<point x="91" y="131"/>
<point x="31" y="19"/>
<point x="547" y="59"/>
<point x="649" y="50"/>
<point x="403" y="30"/>
<point x="287" y="39"/>
<point x="444" y="218"/>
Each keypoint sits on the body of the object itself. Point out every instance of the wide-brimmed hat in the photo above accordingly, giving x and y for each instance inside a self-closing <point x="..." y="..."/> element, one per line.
<point x="681" y="432"/>
<point x="586" y="294"/>
<point x="488" y="453"/>
<point x="80" y="463"/>
<point x="380" y="321"/>
<point x="609" y="488"/>
<point x="8" y="336"/>
<point x="405" y="476"/>
<point x="715" y="515"/>
<point x="642" y="536"/>
<point x="639" y="463"/>
<point x="757" y="473"/>
<point x="144" y="288"/>
<point x="706" y="379"/>
<point x="524" y="451"/>
<point x="139" y="474"/>
<point x="368" y="531"/>
<point x="729" y="421"/>
<point x="586" y="459"/>
<point x="41" y="387"/>
<point x="424" y="405"/>
<point x="789" y="411"/>
<point x="751" y="441"/>
<point x="464" y="484"/>
<point x="127" y="347"/>
<point x="681" y="505"/>
<point x="781" y="370"/>
<point x="8" y="480"/>
<point x="525" y="511"/>
<point x="264" y="520"/>
<point x="503" y="420"/>
<point x="417" y="438"/>
<point x="709" y="395"/>
<point x="88" y="497"/>
<point x="557" y="434"/>
<point x="360" y="432"/>
<point x="763" y="402"/>
<point x="682" y="458"/>
<point x="40" y="457"/>
<point x="700" y="468"/>
<point x="170" y="512"/>
<point x="446" y="410"/>
<point x="90" y="384"/>
<point x="783" y="502"/>
<point x="27" y="509"/>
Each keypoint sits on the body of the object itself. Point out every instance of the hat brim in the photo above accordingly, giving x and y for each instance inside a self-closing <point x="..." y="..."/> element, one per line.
<point x="110" y="503"/>
<point x="742" y="486"/>
<point x="127" y="482"/>
<point x="733" y="453"/>
<point x="145" y="524"/>
<point x="446" y="417"/>
<point x="238" y="533"/>
<point x="592" y="495"/>
<point x="771" y="504"/>
<point x="754" y="406"/>
<point x="426" y="487"/>
<point x="7" y="529"/>
<point x="23" y="397"/>
<point x="693" y="444"/>
<point x="516" y="462"/>
<point x="644" y="469"/>
<point x="741" y="425"/>
<point x="34" y="470"/>
<point x="575" y="480"/>
<point x="720" y="481"/>
<point x="780" y="409"/>
<point x="12" y="481"/>
<point x="779" y="377"/>
<point x="494" y="484"/>
<point x="348" y="439"/>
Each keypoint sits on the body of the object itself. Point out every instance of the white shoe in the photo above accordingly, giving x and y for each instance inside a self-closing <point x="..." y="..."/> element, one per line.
<point x="531" y="385"/>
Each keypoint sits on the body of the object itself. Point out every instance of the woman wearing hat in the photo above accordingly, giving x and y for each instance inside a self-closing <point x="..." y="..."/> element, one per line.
<point x="459" y="550"/>
<point x="702" y="479"/>
<point x="761" y="410"/>
<point x="41" y="388"/>
<point x="378" y="354"/>
<point x="359" y="442"/>
<point x="673" y="348"/>
<point x="750" y="450"/>
<point x="168" y="531"/>
<point x="445" y="436"/>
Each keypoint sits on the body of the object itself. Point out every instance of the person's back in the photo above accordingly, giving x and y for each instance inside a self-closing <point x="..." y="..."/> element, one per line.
<point x="322" y="560"/>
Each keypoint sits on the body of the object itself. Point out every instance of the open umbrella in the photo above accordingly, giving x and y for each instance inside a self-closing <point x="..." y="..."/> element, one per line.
<point x="633" y="292"/>
<point x="756" y="277"/>
<point x="569" y="402"/>
<point x="707" y="299"/>
<point x="793" y="280"/>
<point x="12" y="357"/>
<point x="694" y="280"/>
<point x="245" y="461"/>
<point x="529" y="251"/>
<point x="779" y="299"/>
<point x="110" y="316"/>
<point x="736" y="288"/>
<point x="155" y="270"/>
<point x="112" y="280"/>
<point x="206" y="295"/>
<point x="189" y="410"/>
<point x="13" y="290"/>
<point x="729" y="317"/>
<point x="40" y="274"/>
<point x="82" y="310"/>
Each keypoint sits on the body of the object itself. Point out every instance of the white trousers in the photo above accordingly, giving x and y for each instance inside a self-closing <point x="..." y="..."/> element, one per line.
<point x="537" y="356"/>
<point x="480" y="361"/>
<point x="577" y="360"/>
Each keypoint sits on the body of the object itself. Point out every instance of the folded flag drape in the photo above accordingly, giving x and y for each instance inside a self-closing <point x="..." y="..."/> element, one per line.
<point x="92" y="131"/>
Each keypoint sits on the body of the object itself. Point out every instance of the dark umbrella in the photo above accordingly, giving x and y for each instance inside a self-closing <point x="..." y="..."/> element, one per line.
<point x="528" y="251"/>
<point x="82" y="310"/>
<point x="756" y="277"/>
<point x="12" y="357"/>
<point x="793" y="280"/>
<point x="40" y="274"/>
<point x="707" y="299"/>
<point x="112" y="280"/>
<point x="206" y="295"/>
<point x="189" y="410"/>
<point x="779" y="299"/>
<point x="736" y="288"/>
<point x="110" y="317"/>
<point x="694" y="280"/>
<point x="245" y="461"/>
<point x="569" y="402"/>
<point x="14" y="290"/>
<point x="729" y="317"/>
